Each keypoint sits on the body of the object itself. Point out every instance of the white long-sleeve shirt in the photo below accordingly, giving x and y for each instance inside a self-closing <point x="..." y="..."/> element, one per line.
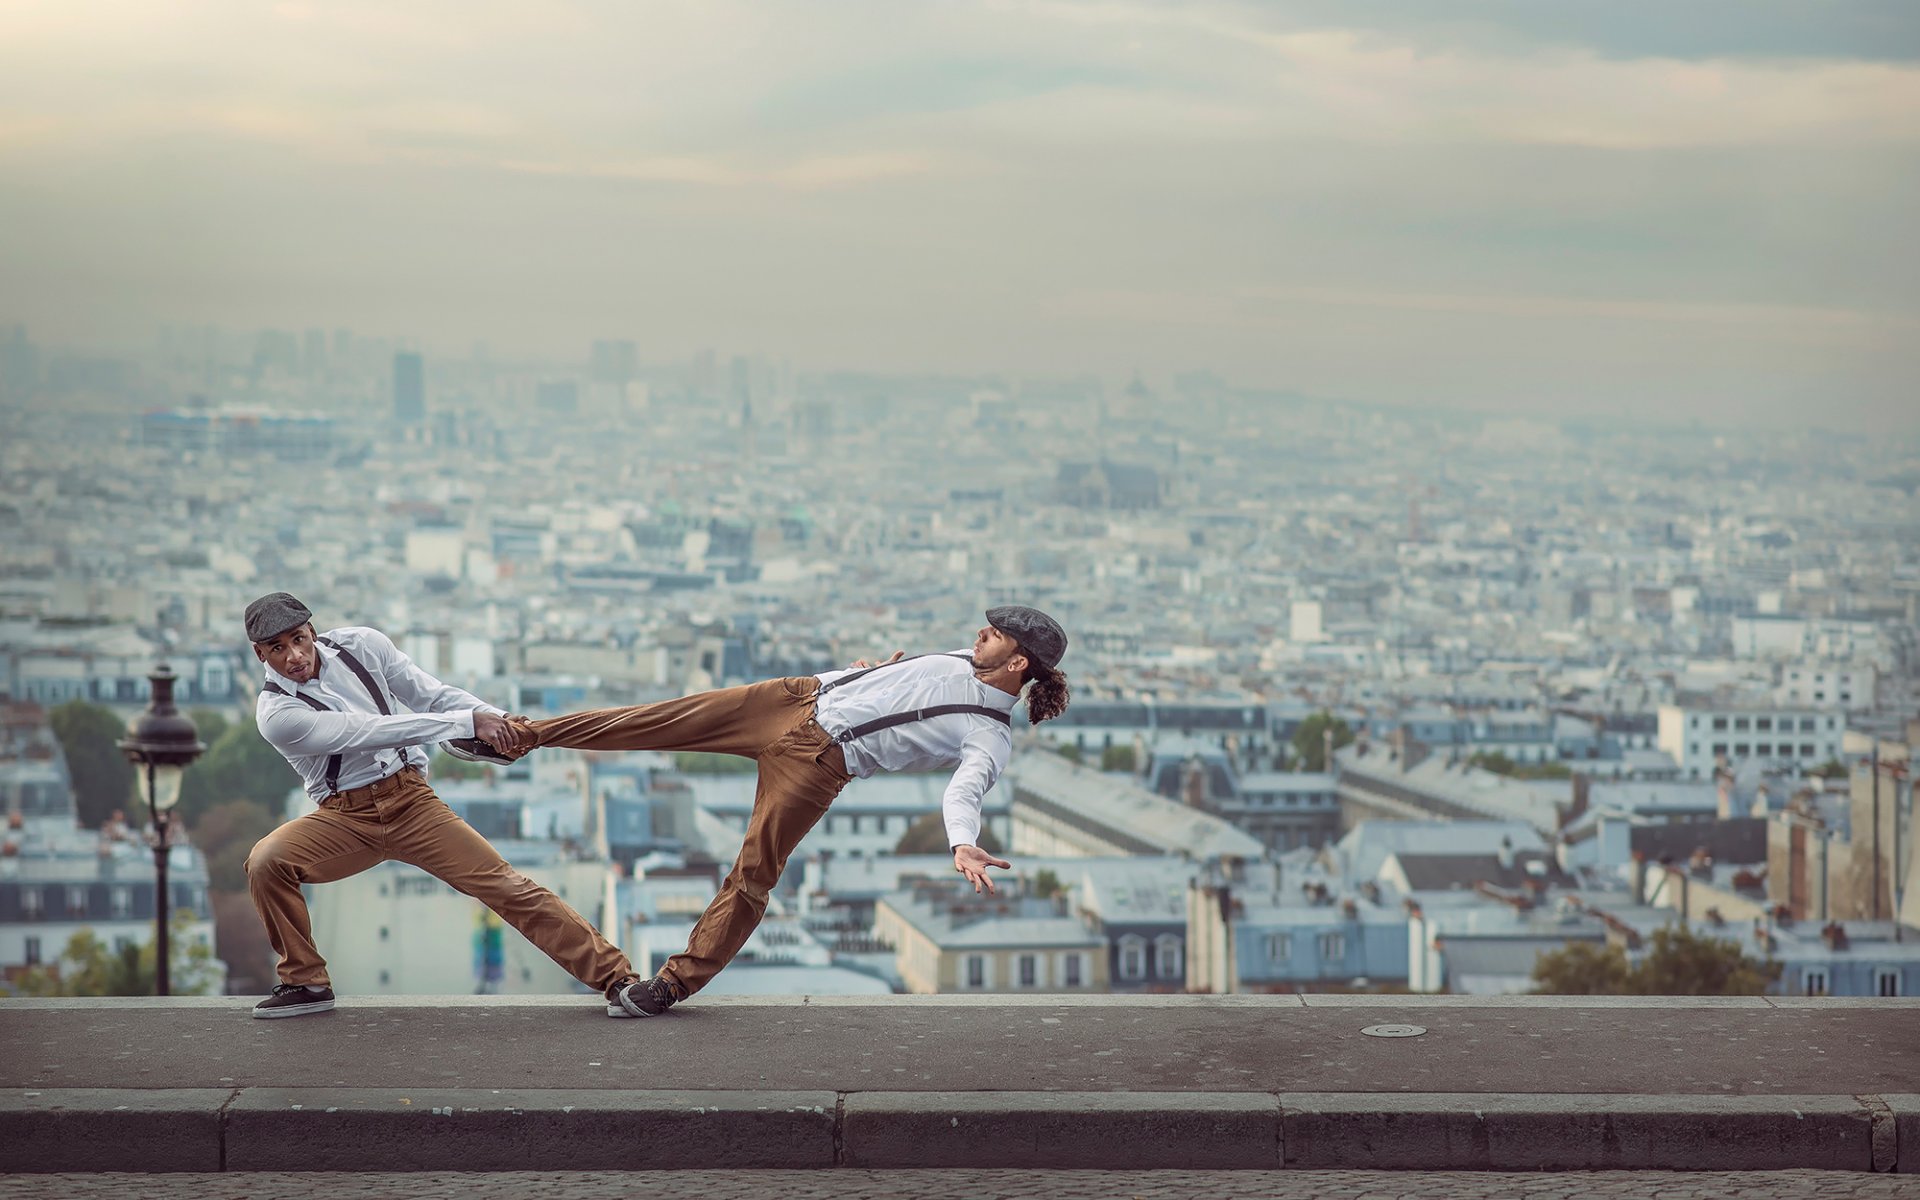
<point x="371" y="746"/>
<point x="976" y="746"/>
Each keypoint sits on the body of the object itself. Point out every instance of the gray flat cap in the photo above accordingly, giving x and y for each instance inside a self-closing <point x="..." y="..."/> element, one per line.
<point x="1038" y="634"/>
<point x="273" y="614"/>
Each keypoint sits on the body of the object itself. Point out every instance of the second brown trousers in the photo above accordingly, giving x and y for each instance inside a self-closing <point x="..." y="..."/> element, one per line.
<point x="801" y="771"/>
<point x="399" y="817"/>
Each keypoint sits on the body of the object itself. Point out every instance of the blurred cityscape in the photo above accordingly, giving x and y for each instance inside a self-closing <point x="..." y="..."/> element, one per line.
<point x="1364" y="697"/>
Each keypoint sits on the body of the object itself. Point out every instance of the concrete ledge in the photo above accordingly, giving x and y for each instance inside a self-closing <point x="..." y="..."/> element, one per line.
<point x="1906" y="1122"/>
<point x="240" y="1005"/>
<point x="356" y="1129"/>
<point x="330" y="1129"/>
<point x="1417" y="1000"/>
<point x="1837" y="1002"/>
<point x="102" y="1129"/>
<point x="1115" y="1130"/>
<point x="1558" y="1133"/>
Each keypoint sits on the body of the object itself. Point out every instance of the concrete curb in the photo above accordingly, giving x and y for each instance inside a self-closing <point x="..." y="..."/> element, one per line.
<point x="1131" y="1130"/>
<point x="111" y="1129"/>
<point x="1578" y="1133"/>
<point x="367" y="1129"/>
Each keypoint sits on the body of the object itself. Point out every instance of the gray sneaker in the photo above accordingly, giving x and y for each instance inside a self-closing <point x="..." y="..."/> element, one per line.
<point x="295" y="1000"/>
<point x="475" y="750"/>
<point x="640" y="998"/>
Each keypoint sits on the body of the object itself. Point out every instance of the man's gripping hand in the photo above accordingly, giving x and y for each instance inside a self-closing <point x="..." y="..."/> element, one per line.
<point x="858" y="663"/>
<point x="492" y="728"/>
<point x="973" y="862"/>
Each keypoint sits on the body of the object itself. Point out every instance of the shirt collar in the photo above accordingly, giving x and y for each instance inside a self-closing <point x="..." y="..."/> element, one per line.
<point x="997" y="698"/>
<point x="320" y="648"/>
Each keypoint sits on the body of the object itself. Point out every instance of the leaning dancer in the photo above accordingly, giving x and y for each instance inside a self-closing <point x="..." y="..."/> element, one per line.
<point x="810" y="735"/>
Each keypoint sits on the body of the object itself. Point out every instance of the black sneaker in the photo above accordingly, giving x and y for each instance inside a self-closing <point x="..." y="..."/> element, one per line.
<point x="295" y="1000"/>
<point x="475" y="750"/>
<point x="640" y="998"/>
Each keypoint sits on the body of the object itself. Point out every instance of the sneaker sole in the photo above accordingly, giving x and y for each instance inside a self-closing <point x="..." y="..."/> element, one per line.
<point x="614" y="1010"/>
<point x="470" y="756"/>
<point x="292" y="1010"/>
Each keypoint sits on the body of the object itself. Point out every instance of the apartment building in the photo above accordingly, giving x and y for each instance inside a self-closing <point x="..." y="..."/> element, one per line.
<point x="948" y="942"/>
<point x="1702" y="737"/>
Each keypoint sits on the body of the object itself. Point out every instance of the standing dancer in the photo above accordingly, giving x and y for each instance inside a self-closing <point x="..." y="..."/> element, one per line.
<point x="352" y="714"/>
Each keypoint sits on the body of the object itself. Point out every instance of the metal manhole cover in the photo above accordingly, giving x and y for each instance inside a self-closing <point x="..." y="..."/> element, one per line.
<point x="1391" y="1031"/>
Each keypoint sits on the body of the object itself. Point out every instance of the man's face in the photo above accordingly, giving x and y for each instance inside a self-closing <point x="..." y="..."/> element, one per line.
<point x="291" y="653"/>
<point x="992" y="649"/>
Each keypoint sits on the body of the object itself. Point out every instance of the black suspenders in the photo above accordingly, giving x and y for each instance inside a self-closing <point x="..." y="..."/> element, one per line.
<point x="366" y="677"/>
<point x="905" y="718"/>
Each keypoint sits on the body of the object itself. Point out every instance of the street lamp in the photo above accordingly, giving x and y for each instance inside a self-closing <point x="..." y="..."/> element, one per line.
<point x="163" y="741"/>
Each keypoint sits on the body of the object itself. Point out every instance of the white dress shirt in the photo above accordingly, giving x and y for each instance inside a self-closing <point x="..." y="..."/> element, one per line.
<point x="976" y="746"/>
<point x="371" y="746"/>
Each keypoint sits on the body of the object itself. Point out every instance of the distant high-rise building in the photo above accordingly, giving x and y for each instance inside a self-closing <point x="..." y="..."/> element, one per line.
<point x="313" y="353"/>
<point x="560" y="396"/>
<point x="704" y="382"/>
<point x="409" y="388"/>
<point x="276" y="350"/>
<point x="741" y="392"/>
<point x="615" y="361"/>
<point x="19" y="362"/>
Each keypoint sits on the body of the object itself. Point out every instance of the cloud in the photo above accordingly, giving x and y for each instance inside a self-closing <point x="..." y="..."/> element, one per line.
<point x="1056" y="181"/>
<point x="806" y="174"/>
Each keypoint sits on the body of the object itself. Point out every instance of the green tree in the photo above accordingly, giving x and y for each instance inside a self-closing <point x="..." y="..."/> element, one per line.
<point x="90" y="967"/>
<point x="1068" y="751"/>
<point x="1491" y="760"/>
<point x="699" y="762"/>
<point x="1309" y="741"/>
<point x="1678" y="962"/>
<point x="211" y="724"/>
<point x="1047" y="885"/>
<point x="241" y="765"/>
<point x="226" y="834"/>
<point x="1582" y="969"/>
<point x="928" y="835"/>
<point x="1833" y="768"/>
<point x="1500" y="764"/>
<point x="1543" y="770"/>
<point x="1118" y="758"/>
<point x="102" y="776"/>
<point x="1683" y="963"/>
<point x="446" y="766"/>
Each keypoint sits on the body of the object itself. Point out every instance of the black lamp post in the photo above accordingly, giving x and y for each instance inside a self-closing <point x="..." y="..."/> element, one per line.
<point x="161" y="743"/>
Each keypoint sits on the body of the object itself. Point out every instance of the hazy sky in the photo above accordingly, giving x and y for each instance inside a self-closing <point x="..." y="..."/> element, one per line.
<point x="1626" y="206"/>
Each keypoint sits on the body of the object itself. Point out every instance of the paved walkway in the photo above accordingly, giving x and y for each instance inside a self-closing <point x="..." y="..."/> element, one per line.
<point x="1037" y="1044"/>
<point x="984" y="1184"/>
<point x="1033" y="1082"/>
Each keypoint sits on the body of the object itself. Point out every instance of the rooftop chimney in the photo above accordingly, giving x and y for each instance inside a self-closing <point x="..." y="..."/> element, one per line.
<point x="1700" y="863"/>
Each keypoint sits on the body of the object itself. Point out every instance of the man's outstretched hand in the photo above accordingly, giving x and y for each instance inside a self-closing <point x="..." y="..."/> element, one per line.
<point x="507" y="734"/>
<point x="973" y="862"/>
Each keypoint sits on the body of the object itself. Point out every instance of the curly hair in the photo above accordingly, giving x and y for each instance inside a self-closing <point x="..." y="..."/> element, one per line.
<point x="1048" y="694"/>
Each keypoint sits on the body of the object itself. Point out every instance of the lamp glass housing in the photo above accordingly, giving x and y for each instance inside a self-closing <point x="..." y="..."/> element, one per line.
<point x="166" y="786"/>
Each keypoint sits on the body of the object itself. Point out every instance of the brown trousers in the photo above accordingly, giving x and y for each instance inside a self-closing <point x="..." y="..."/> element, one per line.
<point x="400" y="818"/>
<point x="801" y="771"/>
